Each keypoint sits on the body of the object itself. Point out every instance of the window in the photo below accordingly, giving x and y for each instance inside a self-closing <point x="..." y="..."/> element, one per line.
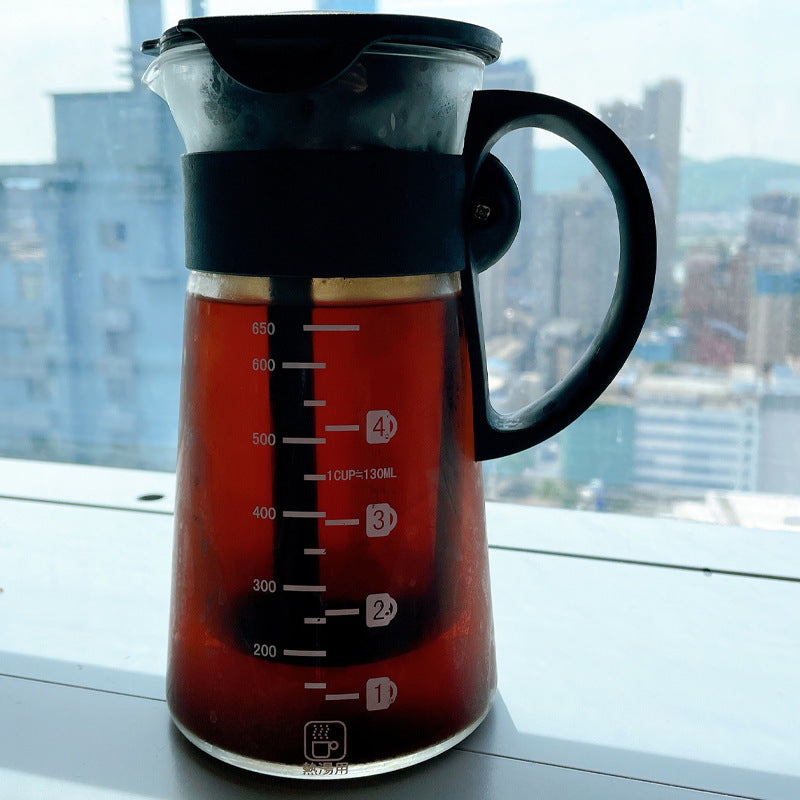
<point x="113" y="235"/>
<point x="31" y="286"/>
<point x="91" y="209"/>
<point x="116" y="289"/>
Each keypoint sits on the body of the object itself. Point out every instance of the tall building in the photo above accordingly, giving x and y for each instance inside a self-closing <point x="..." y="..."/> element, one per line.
<point x="36" y="403"/>
<point x="714" y="305"/>
<point x="773" y="255"/>
<point x="652" y="131"/>
<point x="90" y="311"/>
<point x="574" y="263"/>
<point x="510" y="278"/>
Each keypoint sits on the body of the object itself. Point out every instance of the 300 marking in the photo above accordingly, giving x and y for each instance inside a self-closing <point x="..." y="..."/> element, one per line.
<point x="264" y="585"/>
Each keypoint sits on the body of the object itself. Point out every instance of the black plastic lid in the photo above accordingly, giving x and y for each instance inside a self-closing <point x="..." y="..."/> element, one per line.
<point x="295" y="52"/>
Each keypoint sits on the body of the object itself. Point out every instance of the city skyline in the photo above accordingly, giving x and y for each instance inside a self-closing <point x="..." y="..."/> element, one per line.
<point x="615" y="49"/>
<point x="93" y="284"/>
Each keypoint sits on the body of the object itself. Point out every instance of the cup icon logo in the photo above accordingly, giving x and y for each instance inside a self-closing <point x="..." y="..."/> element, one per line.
<point x="381" y="693"/>
<point x="381" y="426"/>
<point x="381" y="519"/>
<point x="325" y="740"/>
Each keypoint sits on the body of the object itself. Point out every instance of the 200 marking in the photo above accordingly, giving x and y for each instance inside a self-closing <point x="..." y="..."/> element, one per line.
<point x="264" y="650"/>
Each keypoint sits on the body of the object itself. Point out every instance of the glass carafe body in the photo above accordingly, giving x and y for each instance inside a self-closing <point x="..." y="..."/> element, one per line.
<point x="331" y="611"/>
<point x="331" y="607"/>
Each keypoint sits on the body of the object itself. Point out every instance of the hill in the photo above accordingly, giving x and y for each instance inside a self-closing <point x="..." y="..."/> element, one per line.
<point x="722" y="185"/>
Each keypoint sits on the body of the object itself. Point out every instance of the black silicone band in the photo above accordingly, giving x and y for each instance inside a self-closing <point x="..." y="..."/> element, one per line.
<point x="324" y="214"/>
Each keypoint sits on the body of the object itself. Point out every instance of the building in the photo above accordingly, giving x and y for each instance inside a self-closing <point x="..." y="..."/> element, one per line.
<point x="509" y="280"/>
<point x="599" y="445"/>
<point x="588" y="257"/>
<point x="36" y="402"/>
<point x="652" y="133"/>
<point x="91" y="308"/>
<point x="779" y="433"/>
<point x="773" y="256"/>
<point x="575" y="243"/>
<point x="696" y="430"/>
<point x="715" y="305"/>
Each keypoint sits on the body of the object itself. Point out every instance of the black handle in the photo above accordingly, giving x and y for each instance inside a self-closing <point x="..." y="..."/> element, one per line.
<point x="494" y="114"/>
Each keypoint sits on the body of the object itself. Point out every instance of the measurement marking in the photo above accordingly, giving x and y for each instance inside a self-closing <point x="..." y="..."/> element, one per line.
<point x="351" y="696"/>
<point x="341" y="522"/>
<point x="304" y="514"/>
<point x="315" y="620"/>
<point x="342" y="427"/>
<point x="296" y="587"/>
<point x="313" y="403"/>
<point x="310" y="477"/>
<point x="301" y="440"/>
<point x="342" y="612"/>
<point x="314" y="551"/>
<point x="306" y="653"/>
<point x="325" y="328"/>
<point x="303" y="364"/>
<point x="315" y="685"/>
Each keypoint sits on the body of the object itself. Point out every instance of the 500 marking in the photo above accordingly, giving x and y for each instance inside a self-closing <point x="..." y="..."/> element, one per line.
<point x="264" y="439"/>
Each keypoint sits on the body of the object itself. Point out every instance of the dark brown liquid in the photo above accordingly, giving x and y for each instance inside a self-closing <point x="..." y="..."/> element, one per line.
<point x="330" y="559"/>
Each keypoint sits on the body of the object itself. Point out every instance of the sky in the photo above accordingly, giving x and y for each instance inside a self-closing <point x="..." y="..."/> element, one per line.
<point x="736" y="59"/>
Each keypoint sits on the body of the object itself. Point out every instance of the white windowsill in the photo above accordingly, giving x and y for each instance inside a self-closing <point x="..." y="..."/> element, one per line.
<point x="635" y="656"/>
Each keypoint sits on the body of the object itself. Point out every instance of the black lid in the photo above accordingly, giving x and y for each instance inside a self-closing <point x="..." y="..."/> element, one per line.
<point x="293" y="52"/>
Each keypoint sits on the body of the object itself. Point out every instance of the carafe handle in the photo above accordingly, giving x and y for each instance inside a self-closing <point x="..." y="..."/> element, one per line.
<point x="494" y="114"/>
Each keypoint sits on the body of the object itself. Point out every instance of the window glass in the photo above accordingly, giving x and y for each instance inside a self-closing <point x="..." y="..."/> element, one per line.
<point x="707" y="409"/>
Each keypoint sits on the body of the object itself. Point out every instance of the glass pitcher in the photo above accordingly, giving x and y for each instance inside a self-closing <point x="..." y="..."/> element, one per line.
<point x="331" y="611"/>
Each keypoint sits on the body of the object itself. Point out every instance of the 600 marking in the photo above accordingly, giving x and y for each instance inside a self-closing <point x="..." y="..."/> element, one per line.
<point x="264" y="365"/>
